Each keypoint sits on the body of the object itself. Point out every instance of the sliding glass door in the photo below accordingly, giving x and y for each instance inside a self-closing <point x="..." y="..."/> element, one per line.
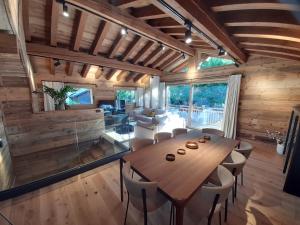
<point x="198" y="105"/>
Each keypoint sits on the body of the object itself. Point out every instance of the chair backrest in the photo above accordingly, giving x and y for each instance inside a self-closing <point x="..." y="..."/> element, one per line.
<point x="134" y="188"/>
<point x="213" y="131"/>
<point x="161" y="136"/>
<point x="178" y="131"/>
<point x="235" y="163"/>
<point x="138" y="143"/>
<point x="245" y="148"/>
<point x="202" y="202"/>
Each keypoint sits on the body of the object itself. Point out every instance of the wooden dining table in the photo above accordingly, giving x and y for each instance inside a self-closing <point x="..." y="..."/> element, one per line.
<point x="178" y="180"/>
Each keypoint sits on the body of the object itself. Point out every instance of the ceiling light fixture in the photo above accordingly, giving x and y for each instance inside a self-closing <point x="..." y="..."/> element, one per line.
<point x="188" y="34"/>
<point x="124" y="31"/>
<point x="57" y="63"/>
<point x="162" y="47"/>
<point x="183" y="56"/>
<point x="236" y="64"/>
<point x="65" y="10"/>
<point x="222" y="52"/>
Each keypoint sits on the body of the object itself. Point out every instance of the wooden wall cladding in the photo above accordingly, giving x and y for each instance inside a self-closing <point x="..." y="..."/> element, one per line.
<point x="270" y="88"/>
<point x="6" y="171"/>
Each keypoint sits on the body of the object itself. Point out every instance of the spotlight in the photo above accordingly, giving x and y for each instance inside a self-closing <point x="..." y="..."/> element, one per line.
<point x="57" y="63"/>
<point x="183" y="55"/>
<point x="124" y="31"/>
<point x="65" y="10"/>
<point x="236" y="64"/>
<point x="162" y="47"/>
<point x="222" y="52"/>
<point x="188" y="34"/>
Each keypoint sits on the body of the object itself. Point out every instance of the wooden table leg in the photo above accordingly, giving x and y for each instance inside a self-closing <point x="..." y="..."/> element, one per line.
<point x="121" y="179"/>
<point x="179" y="214"/>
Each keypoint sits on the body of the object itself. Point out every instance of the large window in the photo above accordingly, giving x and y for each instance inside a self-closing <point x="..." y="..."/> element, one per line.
<point x="81" y="96"/>
<point x="212" y="62"/>
<point x="127" y="95"/>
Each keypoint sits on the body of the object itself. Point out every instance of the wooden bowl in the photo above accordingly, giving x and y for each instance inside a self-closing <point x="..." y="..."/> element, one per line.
<point x="170" y="157"/>
<point x="181" y="151"/>
<point x="191" y="145"/>
<point x="201" y="140"/>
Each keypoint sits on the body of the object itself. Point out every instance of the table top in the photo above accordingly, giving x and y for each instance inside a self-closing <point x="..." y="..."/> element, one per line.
<point x="180" y="179"/>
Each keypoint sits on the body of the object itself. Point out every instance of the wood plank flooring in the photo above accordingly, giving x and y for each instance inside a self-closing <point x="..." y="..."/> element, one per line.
<point x="93" y="198"/>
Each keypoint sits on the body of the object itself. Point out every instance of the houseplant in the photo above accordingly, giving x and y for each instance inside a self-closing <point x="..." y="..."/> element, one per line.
<point x="59" y="96"/>
<point x="278" y="136"/>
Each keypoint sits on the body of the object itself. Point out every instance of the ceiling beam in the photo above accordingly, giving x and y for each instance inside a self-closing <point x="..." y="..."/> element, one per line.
<point x="274" y="50"/>
<point x="148" y="12"/>
<point x="70" y="68"/>
<point x="273" y="55"/>
<point x="142" y="52"/>
<point x="138" y="77"/>
<point x="51" y="66"/>
<point x="85" y="70"/>
<point x="99" y="73"/>
<point x="162" y="58"/>
<point x="129" y="76"/>
<point x="79" y="29"/>
<point x="179" y="67"/>
<point x="132" y="47"/>
<point x="150" y="58"/>
<point x="123" y="18"/>
<point x="110" y="74"/>
<point x="100" y="36"/>
<point x="121" y="75"/>
<point x="203" y="18"/>
<point x="164" y="23"/>
<point x="116" y="45"/>
<point x="80" y="57"/>
<point x="54" y="22"/>
<point x="170" y="61"/>
<point x="25" y="16"/>
<point x="124" y="4"/>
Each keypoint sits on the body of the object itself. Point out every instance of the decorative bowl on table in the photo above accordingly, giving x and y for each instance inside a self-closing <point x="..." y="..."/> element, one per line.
<point x="191" y="145"/>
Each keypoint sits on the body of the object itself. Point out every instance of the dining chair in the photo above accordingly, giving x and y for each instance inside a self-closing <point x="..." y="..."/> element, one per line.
<point x="162" y="136"/>
<point x="210" y="198"/>
<point x="213" y="131"/>
<point x="144" y="196"/>
<point x="178" y="131"/>
<point x="235" y="163"/>
<point x="245" y="148"/>
<point x="139" y="143"/>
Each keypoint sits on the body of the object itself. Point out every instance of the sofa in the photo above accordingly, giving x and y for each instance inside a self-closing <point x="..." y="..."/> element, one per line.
<point x="147" y="115"/>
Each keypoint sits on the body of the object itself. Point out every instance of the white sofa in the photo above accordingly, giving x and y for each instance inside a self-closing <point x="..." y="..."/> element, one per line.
<point x="158" y="115"/>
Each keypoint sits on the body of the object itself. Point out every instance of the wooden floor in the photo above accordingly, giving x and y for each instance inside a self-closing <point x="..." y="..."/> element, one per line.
<point x="93" y="199"/>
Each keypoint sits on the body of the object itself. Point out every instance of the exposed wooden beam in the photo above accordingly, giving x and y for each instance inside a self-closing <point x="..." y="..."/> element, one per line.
<point x="273" y="55"/>
<point x="162" y="58"/>
<point x="150" y="58"/>
<point x="8" y="43"/>
<point x="100" y="36"/>
<point x="164" y="23"/>
<point x="51" y="66"/>
<point x="129" y="76"/>
<point x="54" y="22"/>
<point x="85" y="70"/>
<point x="204" y="19"/>
<point x="115" y="46"/>
<point x="273" y="49"/>
<point x="124" y="4"/>
<point x="110" y="74"/>
<point x="170" y="61"/>
<point x="121" y="75"/>
<point x="138" y="77"/>
<point x="122" y="17"/>
<point x="79" y="29"/>
<point x="148" y="12"/>
<point x="80" y="57"/>
<point x="99" y="73"/>
<point x="181" y="66"/>
<point x="142" y="52"/>
<point x="25" y="16"/>
<point x="70" y="68"/>
<point x="132" y="46"/>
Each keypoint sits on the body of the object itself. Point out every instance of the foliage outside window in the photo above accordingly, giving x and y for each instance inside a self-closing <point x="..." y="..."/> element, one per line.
<point x="212" y="62"/>
<point x="178" y="94"/>
<point x="81" y="96"/>
<point x="128" y="95"/>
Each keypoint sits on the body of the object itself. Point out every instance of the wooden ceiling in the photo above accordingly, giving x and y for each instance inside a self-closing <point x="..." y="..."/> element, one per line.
<point x="242" y="27"/>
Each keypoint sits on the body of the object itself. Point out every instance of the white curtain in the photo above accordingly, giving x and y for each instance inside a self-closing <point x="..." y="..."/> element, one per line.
<point x="162" y="95"/>
<point x="139" y="97"/>
<point x="147" y="98"/>
<point x="49" y="104"/>
<point x="231" y="106"/>
<point x="154" y="87"/>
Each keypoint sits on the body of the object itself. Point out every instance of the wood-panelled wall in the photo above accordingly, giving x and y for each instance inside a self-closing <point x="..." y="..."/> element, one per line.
<point x="102" y="89"/>
<point x="270" y="88"/>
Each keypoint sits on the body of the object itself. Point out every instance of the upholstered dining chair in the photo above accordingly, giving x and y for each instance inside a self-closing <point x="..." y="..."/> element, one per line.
<point x="138" y="143"/>
<point x="144" y="196"/>
<point x="162" y="136"/>
<point x="245" y="148"/>
<point x="235" y="163"/>
<point x="178" y="131"/>
<point x="208" y="200"/>
<point x="213" y="131"/>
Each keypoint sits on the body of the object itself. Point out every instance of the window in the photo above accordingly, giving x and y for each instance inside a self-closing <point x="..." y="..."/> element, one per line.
<point x="127" y="95"/>
<point x="212" y="62"/>
<point x="81" y="96"/>
<point x="178" y="95"/>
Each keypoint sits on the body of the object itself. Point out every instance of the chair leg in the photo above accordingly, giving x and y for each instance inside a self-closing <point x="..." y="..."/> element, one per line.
<point x="235" y="188"/>
<point x="226" y="209"/>
<point x="220" y="217"/>
<point x="242" y="178"/>
<point x="126" y="209"/>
